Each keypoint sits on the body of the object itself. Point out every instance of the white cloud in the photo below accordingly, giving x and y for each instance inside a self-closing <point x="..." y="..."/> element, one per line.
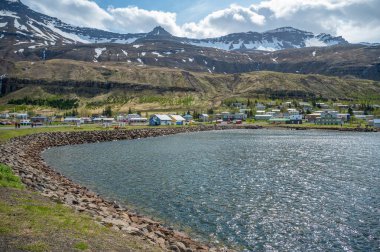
<point x="78" y="12"/>
<point x="134" y="19"/>
<point x="233" y="19"/>
<point x="355" y="20"/>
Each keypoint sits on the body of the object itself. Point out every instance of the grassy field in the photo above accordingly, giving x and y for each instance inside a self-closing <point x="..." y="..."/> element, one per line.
<point x="31" y="222"/>
<point x="6" y="134"/>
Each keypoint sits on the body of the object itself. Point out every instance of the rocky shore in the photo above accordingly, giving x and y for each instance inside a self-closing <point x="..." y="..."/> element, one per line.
<point x="23" y="154"/>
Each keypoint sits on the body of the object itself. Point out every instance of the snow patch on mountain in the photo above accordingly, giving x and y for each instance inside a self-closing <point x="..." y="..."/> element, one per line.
<point x="3" y="24"/>
<point x="125" y="52"/>
<point x="157" y="54"/>
<point x="19" y="26"/>
<point x="137" y="46"/>
<point x="6" y="13"/>
<point x="98" y="52"/>
<point x="314" y="42"/>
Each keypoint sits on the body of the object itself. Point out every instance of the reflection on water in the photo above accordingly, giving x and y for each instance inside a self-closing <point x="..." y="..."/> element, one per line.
<point x="261" y="190"/>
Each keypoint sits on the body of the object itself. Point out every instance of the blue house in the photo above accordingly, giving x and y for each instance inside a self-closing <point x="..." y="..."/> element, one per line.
<point x="157" y="119"/>
<point x="188" y="117"/>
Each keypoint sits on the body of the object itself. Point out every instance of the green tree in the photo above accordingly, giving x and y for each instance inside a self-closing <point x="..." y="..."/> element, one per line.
<point x="350" y="111"/>
<point x="107" y="111"/>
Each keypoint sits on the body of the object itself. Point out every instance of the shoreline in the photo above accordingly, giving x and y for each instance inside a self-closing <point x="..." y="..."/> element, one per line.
<point x="23" y="154"/>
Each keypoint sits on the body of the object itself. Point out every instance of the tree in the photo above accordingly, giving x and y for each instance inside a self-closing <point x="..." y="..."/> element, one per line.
<point x="210" y="111"/>
<point x="107" y="111"/>
<point x="130" y="110"/>
<point x="350" y="111"/>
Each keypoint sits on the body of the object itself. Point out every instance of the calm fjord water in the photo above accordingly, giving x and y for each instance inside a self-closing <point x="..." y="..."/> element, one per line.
<point x="261" y="190"/>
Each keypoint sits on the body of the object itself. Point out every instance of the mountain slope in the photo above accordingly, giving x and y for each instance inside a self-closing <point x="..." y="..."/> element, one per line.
<point x="89" y="76"/>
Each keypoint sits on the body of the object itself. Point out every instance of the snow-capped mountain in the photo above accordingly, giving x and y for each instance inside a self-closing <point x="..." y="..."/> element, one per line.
<point x="278" y="39"/>
<point x="20" y="25"/>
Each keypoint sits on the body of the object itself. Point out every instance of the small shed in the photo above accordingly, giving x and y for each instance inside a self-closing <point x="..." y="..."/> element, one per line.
<point x="158" y="119"/>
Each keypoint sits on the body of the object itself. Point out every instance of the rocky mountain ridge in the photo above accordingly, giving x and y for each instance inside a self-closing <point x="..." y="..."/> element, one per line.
<point x="38" y="30"/>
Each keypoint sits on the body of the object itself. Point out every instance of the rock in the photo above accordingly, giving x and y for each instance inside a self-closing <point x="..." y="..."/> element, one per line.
<point x="181" y="246"/>
<point x="159" y="234"/>
<point x="133" y="231"/>
<point x="161" y="242"/>
<point x="174" y="248"/>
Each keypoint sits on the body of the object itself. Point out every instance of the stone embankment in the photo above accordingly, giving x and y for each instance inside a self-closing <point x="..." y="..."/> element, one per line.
<point x="23" y="154"/>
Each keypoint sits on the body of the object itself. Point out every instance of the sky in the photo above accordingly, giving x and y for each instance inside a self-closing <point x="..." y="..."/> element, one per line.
<point x="354" y="20"/>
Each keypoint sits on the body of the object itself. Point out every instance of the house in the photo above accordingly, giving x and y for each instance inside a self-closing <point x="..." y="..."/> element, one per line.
<point x="246" y="111"/>
<point x="188" y="117"/>
<point x="358" y="112"/>
<point x="103" y="120"/>
<point x="344" y="117"/>
<point x="376" y="123"/>
<point x="4" y="116"/>
<point x="364" y="117"/>
<point x="240" y="116"/>
<point x="287" y="104"/>
<point x="322" y="105"/>
<point x="87" y="120"/>
<point x="263" y="117"/>
<point x="306" y="106"/>
<point x="292" y="111"/>
<point x="204" y="117"/>
<point x="312" y="117"/>
<point x="177" y="119"/>
<point x="137" y="120"/>
<point x="295" y="119"/>
<point x="260" y="112"/>
<point x="159" y="119"/>
<point x="39" y="119"/>
<point x="329" y="118"/>
<point x="73" y="120"/>
<point x="260" y="106"/>
<point x="129" y="116"/>
<point x="227" y="116"/>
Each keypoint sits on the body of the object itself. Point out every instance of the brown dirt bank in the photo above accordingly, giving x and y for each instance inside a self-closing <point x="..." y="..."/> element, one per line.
<point x="23" y="154"/>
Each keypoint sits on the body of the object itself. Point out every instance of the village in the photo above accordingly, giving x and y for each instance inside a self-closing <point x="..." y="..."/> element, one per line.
<point x="274" y="113"/>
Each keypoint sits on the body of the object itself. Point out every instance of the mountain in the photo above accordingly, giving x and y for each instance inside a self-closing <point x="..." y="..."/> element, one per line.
<point x="21" y="25"/>
<point x="278" y="39"/>
<point x="26" y="35"/>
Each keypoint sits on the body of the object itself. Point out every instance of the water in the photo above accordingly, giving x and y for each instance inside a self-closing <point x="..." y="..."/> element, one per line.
<point x="262" y="190"/>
